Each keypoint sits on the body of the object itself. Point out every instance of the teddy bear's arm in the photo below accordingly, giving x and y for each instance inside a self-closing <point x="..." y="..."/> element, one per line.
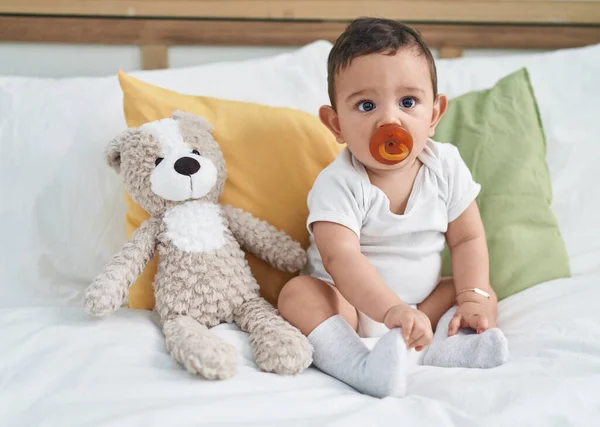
<point x="265" y="241"/>
<point x="109" y="288"/>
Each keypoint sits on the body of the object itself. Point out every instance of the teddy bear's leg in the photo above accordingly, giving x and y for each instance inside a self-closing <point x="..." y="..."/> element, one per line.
<point x="198" y="350"/>
<point x="278" y="346"/>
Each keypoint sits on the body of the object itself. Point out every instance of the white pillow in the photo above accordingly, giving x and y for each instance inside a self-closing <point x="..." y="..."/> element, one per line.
<point x="566" y="84"/>
<point x="296" y="80"/>
<point x="62" y="211"/>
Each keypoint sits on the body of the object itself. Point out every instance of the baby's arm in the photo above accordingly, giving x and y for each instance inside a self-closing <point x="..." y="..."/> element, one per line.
<point x="470" y="265"/>
<point x="353" y="275"/>
<point x="358" y="281"/>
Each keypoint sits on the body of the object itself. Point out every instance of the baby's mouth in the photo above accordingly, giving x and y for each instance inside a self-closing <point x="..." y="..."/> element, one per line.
<point x="390" y="144"/>
<point x="393" y="150"/>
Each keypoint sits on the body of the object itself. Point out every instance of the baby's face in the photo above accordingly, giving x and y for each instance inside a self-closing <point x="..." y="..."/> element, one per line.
<point x="379" y="89"/>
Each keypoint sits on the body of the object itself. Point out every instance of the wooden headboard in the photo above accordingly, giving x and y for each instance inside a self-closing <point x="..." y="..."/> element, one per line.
<point x="448" y="25"/>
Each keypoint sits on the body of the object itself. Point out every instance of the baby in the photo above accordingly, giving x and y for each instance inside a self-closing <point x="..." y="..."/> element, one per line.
<point x="379" y="217"/>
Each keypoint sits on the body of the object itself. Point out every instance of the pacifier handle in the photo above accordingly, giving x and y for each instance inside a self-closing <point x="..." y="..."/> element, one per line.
<point x="390" y="144"/>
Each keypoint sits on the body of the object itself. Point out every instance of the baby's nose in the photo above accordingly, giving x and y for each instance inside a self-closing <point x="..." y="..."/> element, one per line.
<point x="389" y="118"/>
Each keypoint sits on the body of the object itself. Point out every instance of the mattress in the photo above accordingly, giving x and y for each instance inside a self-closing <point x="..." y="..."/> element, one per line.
<point x="61" y="367"/>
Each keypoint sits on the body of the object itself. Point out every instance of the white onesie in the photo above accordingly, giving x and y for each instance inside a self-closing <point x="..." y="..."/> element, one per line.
<point x="404" y="249"/>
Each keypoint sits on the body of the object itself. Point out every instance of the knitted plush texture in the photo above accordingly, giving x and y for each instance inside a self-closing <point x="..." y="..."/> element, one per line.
<point x="276" y="346"/>
<point x="200" y="352"/>
<point x="199" y="284"/>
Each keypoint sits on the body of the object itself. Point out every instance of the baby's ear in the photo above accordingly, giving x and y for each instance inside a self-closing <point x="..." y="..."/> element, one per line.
<point x="193" y="119"/>
<point x="113" y="151"/>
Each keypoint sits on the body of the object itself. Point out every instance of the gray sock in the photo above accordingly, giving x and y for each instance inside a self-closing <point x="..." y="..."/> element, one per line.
<point x="466" y="349"/>
<point x="340" y="353"/>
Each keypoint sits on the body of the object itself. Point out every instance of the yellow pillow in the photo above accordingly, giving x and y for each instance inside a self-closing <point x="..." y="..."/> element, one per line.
<point x="272" y="155"/>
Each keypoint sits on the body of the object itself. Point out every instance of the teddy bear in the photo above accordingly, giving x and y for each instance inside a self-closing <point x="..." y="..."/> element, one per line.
<point x="175" y="169"/>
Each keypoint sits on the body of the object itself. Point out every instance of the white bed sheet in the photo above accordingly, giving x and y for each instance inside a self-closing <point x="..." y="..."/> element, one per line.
<point x="60" y="367"/>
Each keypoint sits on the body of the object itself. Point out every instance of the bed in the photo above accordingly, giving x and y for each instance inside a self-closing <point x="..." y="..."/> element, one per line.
<point x="61" y="368"/>
<point x="62" y="217"/>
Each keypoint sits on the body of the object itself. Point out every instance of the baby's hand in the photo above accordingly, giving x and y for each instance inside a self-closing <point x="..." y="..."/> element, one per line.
<point x="415" y="325"/>
<point x="473" y="314"/>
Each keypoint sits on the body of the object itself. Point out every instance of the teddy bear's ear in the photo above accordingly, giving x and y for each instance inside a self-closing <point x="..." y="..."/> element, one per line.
<point x="193" y="118"/>
<point x="113" y="151"/>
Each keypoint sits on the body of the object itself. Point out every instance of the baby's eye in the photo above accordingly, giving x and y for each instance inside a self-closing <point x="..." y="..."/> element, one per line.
<point x="196" y="152"/>
<point x="365" y="106"/>
<point x="408" y="102"/>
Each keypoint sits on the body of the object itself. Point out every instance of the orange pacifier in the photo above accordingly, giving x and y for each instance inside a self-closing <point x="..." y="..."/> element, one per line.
<point x="390" y="144"/>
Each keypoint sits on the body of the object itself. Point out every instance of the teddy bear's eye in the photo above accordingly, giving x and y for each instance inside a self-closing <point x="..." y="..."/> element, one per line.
<point x="196" y="152"/>
<point x="158" y="160"/>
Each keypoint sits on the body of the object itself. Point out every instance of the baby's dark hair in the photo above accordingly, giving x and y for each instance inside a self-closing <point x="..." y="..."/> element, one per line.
<point x="364" y="36"/>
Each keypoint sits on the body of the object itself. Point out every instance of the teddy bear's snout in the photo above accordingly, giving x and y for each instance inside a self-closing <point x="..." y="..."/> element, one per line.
<point x="187" y="166"/>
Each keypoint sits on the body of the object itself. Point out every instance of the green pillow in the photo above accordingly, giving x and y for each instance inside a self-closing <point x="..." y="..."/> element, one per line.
<point x="499" y="134"/>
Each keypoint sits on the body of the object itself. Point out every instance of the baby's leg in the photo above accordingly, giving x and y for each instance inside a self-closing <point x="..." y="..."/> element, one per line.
<point x="330" y="323"/>
<point x="439" y="301"/>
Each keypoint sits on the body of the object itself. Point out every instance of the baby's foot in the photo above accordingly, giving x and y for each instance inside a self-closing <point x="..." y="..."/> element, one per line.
<point x="384" y="369"/>
<point x="339" y="352"/>
<point x="469" y="350"/>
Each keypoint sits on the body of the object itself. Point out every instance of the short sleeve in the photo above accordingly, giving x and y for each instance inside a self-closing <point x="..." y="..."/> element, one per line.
<point x="462" y="189"/>
<point x="337" y="198"/>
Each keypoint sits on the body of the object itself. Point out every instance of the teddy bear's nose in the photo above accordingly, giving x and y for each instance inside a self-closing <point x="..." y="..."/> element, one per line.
<point x="187" y="166"/>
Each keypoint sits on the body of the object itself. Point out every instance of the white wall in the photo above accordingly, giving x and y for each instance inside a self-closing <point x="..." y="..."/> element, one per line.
<point x="61" y="60"/>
